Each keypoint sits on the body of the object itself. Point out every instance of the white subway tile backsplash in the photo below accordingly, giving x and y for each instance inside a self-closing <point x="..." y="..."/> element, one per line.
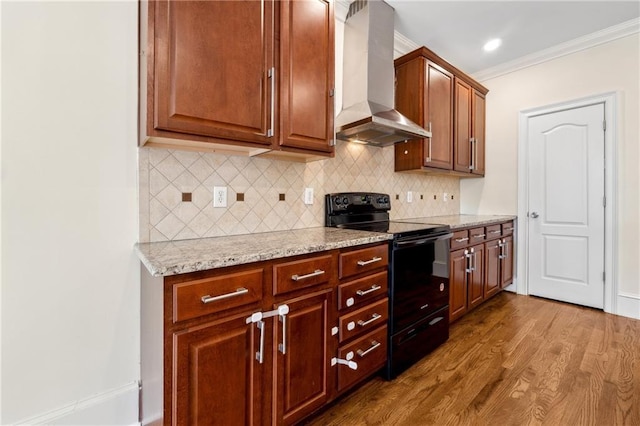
<point x="166" y="174"/>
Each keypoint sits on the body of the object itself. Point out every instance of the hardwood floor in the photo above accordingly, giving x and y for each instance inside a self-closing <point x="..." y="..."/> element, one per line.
<point x="516" y="360"/>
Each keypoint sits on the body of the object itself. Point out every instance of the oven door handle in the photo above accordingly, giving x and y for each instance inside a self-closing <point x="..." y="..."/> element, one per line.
<point x="421" y="241"/>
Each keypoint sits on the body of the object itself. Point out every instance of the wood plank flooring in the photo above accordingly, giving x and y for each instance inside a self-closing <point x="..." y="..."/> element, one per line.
<point x="516" y="360"/>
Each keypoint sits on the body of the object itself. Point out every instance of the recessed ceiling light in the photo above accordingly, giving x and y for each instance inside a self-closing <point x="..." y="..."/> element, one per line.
<point x="492" y="45"/>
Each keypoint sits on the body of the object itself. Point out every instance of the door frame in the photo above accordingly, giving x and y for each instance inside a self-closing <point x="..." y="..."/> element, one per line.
<point x="609" y="100"/>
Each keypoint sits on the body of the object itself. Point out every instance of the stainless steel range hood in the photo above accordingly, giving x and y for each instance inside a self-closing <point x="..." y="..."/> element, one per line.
<point x="367" y="114"/>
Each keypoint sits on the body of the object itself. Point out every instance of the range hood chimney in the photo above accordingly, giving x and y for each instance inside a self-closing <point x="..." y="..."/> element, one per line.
<point x="367" y="114"/>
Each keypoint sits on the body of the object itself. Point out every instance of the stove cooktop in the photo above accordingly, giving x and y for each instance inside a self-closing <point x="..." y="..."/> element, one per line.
<point x="399" y="229"/>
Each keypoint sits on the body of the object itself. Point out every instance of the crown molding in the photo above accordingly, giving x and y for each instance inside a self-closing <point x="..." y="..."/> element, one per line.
<point x="402" y="44"/>
<point x="341" y="8"/>
<point x="581" y="43"/>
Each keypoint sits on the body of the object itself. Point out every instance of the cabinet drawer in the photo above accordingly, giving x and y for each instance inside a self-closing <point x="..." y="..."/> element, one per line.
<point x="363" y="320"/>
<point x="359" y="292"/>
<point x="369" y="352"/>
<point x="493" y="231"/>
<point x="299" y="274"/>
<point x="477" y="235"/>
<point x="208" y="295"/>
<point x="460" y="239"/>
<point x="363" y="260"/>
<point x="507" y="228"/>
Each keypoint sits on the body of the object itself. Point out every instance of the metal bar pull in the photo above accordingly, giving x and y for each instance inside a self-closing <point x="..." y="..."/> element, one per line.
<point x="428" y="159"/>
<point x="479" y="235"/>
<point x="272" y="76"/>
<point x="282" y="317"/>
<point x="494" y="232"/>
<point x="374" y="345"/>
<point x="347" y="361"/>
<point x="239" y="292"/>
<point x="315" y="273"/>
<point x="468" y="258"/>
<point x="368" y="262"/>
<point x="462" y="240"/>
<point x="509" y="229"/>
<point x="501" y="255"/>
<point x="373" y="288"/>
<point x="506" y="250"/>
<point x="260" y="353"/>
<point x="373" y="318"/>
<point x="471" y="162"/>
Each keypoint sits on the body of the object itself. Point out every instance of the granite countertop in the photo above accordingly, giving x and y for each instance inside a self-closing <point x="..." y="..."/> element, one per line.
<point x="183" y="256"/>
<point x="461" y="221"/>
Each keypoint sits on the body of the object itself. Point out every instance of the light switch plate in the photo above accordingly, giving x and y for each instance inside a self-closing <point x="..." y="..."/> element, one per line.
<point x="409" y="196"/>
<point x="445" y="197"/>
<point x="219" y="196"/>
<point x="308" y="196"/>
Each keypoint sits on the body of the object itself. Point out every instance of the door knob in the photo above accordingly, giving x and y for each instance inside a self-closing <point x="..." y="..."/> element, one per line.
<point x="534" y="215"/>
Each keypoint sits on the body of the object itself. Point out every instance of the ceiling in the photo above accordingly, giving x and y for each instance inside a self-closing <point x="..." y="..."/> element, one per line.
<point x="457" y="30"/>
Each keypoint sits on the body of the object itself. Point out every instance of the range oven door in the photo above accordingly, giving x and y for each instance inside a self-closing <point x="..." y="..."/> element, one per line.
<point x="419" y="279"/>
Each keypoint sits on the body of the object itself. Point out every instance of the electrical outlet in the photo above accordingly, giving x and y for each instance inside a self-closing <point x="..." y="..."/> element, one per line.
<point x="409" y="197"/>
<point x="308" y="196"/>
<point x="219" y="196"/>
<point x="445" y="197"/>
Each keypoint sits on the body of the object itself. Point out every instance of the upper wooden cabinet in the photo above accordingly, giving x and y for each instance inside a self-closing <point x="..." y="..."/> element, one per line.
<point x="431" y="107"/>
<point x="469" y="133"/>
<point x="246" y="77"/>
<point x="443" y="99"/>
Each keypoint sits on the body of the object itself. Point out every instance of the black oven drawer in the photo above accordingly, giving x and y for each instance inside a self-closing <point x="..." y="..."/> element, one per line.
<point x="412" y="344"/>
<point x="410" y="303"/>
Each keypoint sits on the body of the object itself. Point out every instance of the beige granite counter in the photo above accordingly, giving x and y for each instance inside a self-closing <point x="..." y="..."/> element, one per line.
<point x="183" y="256"/>
<point x="462" y="220"/>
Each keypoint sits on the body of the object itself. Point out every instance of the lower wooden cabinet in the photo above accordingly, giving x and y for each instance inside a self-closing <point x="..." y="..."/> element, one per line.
<point x="458" y="284"/>
<point x="476" y="275"/>
<point x="260" y="343"/>
<point x="301" y="362"/>
<point x="215" y="374"/>
<point x="481" y="263"/>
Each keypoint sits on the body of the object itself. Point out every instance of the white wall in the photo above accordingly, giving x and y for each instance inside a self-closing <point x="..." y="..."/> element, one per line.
<point x="613" y="66"/>
<point x="70" y="280"/>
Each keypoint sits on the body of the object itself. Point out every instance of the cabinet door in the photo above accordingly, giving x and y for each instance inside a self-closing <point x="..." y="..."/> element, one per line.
<point x="507" y="261"/>
<point x="492" y="263"/>
<point x="462" y="134"/>
<point x="307" y="74"/>
<point x="457" y="284"/>
<point x="211" y="64"/>
<point x="476" y="276"/>
<point x="438" y="150"/>
<point x="301" y="361"/>
<point x="216" y="377"/>
<point x="478" y="131"/>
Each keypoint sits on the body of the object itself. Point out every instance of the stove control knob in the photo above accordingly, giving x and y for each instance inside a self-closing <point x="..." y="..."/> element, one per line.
<point x="338" y="201"/>
<point x="386" y="200"/>
<point x="345" y="201"/>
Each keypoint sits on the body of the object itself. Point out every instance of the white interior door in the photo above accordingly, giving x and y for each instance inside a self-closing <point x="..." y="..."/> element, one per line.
<point x="566" y="205"/>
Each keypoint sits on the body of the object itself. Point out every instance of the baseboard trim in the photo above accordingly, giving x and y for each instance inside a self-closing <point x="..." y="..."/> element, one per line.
<point x="628" y="305"/>
<point x="116" y="406"/>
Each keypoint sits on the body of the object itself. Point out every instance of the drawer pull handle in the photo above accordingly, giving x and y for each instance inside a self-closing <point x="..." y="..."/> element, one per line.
<point x="494" y="232"/>
<point x="362" y="353"/>
<point x="462" y="240"/>
<point x="315" y="273"/>
<point x="425" y="306"/>
<point x="435" y="320"/>
<point x="373" y="288"/>
<point x="509" y="229"/>
<point x="373" y="318"/>
<point x="479" y="236"/>
<point x="368" y="262"/>
<point x="239" y="292"/>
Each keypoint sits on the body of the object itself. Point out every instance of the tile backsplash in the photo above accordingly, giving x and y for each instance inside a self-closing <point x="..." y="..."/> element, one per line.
<point x="166" y="174"/>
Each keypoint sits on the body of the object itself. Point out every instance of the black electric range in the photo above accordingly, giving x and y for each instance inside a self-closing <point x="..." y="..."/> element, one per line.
<point x="418" y="274"/>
